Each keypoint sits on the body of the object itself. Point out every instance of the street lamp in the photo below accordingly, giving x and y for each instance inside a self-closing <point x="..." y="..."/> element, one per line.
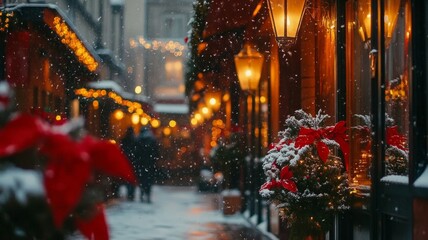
<point x="286" y="16"/>
<point x="249" y="63"/>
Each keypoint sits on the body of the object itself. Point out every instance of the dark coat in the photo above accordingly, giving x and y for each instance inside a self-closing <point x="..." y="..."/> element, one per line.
<point x="147" y="153"/>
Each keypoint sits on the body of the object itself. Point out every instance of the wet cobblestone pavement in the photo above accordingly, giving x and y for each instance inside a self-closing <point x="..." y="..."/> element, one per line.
<point x="177" y="213"/>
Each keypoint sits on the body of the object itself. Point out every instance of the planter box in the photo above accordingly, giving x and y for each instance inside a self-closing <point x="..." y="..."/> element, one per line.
<point x="231" y="201"/>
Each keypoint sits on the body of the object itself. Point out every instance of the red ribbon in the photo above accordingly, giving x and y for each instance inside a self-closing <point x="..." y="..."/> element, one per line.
<point x="284" y="181"/>
<point x="394" y="138"/>
<point x="308" y="136"/>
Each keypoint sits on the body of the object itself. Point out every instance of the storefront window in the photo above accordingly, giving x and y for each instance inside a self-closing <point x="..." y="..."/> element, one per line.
<point x="397" y="79"/>
<point x="358" y="82"/>
<point x="397" y="36"/>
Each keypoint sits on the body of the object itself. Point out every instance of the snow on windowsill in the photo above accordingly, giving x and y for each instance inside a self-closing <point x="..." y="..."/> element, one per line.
<point x="395" y="179"/>
<point x="422" y="181"/>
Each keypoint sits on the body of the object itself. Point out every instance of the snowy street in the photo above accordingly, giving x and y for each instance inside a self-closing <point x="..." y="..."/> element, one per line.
<point x="176" y="213"/>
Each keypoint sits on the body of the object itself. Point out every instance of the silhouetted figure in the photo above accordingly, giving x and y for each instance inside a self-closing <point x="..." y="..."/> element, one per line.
<point x="146" y="156"/>
<point x="128" y="145"/>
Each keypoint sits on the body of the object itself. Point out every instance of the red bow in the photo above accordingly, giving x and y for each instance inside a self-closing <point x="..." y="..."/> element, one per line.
<point x="337" y="133"/>
<point x="284" y="181"/>
<point x="394" y="138"/>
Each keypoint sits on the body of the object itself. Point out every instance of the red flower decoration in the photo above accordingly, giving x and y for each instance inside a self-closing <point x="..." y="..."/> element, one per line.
<point x="284" y="181"/>
<point x="65" y="176"/>
<point x="106" y="157"/>
<point x="21" y="133"/>
<point x="94" y="228"/>
<point x="394" y="138"/>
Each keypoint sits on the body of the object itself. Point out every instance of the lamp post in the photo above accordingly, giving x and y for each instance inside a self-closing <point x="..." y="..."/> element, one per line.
<point x="286" y="16"/>
<point x="249" y="63"/>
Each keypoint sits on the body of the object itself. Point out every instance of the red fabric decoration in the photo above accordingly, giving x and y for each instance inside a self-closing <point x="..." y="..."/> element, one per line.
<point x="337" y="133"/>
<point x="284" y="181"/>
<point x="21" y="133"/>
<point x="394" y="138"/>
<point x="106" y="157"/>
<point x="65" y="176"/>
<point x="94" y="228"/>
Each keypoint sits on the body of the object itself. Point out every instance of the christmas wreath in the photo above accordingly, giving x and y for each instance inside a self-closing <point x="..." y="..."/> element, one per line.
<point x="306" y="179"/>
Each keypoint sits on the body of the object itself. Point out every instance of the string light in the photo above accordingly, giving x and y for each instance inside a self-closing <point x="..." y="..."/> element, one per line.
<point x="69" y="38"/>
<point x="5" y="20"/>
<point x="133" y="107"/>
<point x="173" y="47"/>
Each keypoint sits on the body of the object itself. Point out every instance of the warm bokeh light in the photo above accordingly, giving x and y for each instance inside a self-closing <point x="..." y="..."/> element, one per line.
<point x="226" y="97"/>
<point x="155" y="123"/>
<point x="212" y="101"/>
<point x="172" y="123"/>
<point x="118" y="115"/>
<point x="95" y="104"/>
<point x="205" y="110"/>
<point x="167" y="131"/>
<point x="138" y="89"/>
<point x="198" y="116"/>
<point x="144" y="121"/>
<point x="135" y="119"/>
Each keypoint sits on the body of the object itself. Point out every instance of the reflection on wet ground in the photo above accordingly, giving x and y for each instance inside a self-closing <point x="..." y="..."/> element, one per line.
<point x="224" y="231"/>
<point x="177" y="213"/>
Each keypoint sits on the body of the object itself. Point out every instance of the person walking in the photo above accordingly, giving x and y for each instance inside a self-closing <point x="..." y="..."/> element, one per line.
<point x="128" y="145"/>
<point x="147" y="155"/>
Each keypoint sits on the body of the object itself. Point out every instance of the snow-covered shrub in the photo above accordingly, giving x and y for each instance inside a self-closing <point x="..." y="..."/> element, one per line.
<point x="306" y="180"/>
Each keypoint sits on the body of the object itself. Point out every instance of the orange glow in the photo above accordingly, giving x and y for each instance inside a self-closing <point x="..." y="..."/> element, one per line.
<point x="69" y="38"/>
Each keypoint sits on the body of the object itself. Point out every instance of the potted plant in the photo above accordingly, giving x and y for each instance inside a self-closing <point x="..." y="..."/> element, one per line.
<point x="305" y="177"/>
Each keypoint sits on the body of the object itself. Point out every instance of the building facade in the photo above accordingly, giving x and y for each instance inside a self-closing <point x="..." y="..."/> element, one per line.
<point x="358" y="61"/>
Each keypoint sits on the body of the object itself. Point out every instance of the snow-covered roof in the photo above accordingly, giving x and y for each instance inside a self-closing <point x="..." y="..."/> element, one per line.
<point x="171" y="108"/>
<point x="114" y="86"/>
<point x="107" y="84"/>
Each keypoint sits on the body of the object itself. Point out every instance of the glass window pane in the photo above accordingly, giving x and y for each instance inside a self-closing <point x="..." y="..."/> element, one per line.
<point x="358" y="100"/>
<point x="397" y="79"/>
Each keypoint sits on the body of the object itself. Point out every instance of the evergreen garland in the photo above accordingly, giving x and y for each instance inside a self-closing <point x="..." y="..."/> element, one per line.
<point x="194" y="38"/>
